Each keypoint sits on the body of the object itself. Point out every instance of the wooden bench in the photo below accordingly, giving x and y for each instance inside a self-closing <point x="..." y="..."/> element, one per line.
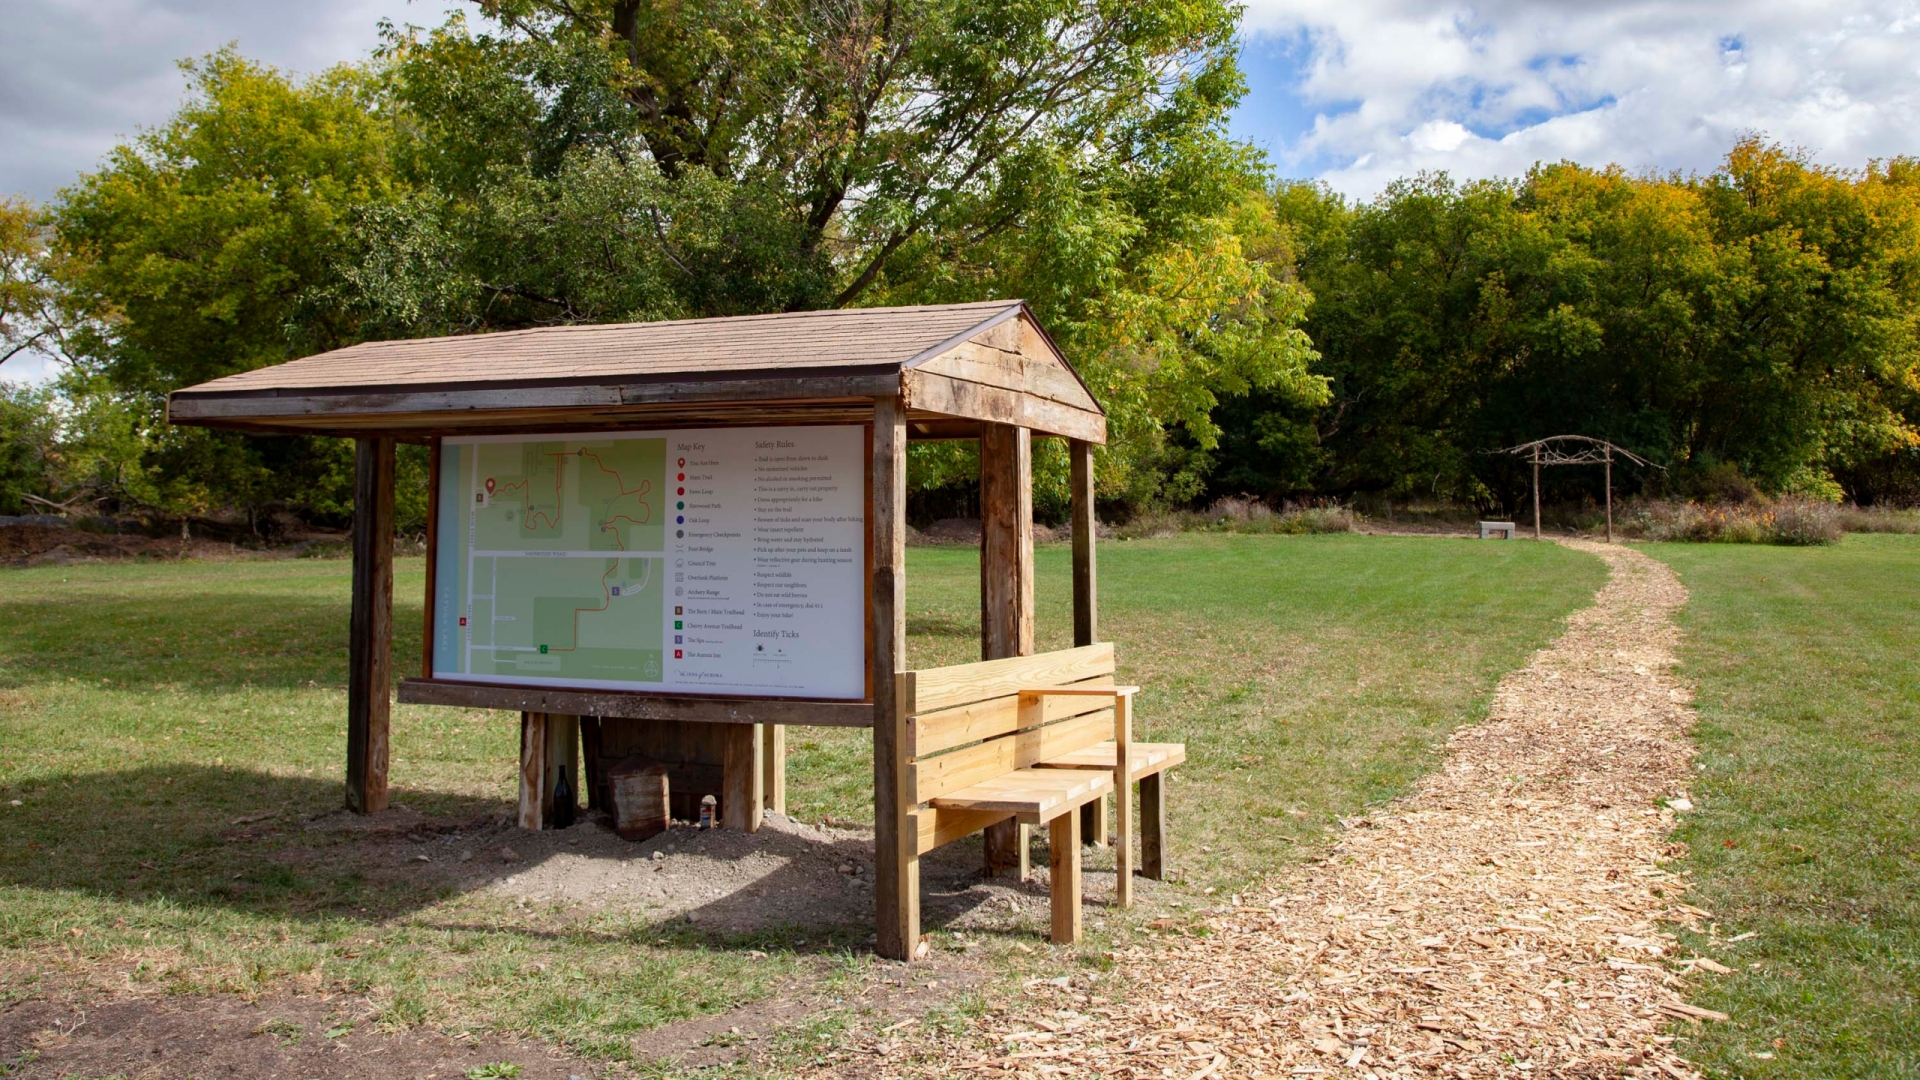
<point x="1031" y="739"/>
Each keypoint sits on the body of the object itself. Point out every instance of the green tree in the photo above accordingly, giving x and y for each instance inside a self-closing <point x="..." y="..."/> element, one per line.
<point x="194" y="253"/>
<point x="592" y="162"/>
<point x="1761" y="319"/>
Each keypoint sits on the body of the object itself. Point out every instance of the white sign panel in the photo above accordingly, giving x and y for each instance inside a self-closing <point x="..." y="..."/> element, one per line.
<point x="721" y="561"/>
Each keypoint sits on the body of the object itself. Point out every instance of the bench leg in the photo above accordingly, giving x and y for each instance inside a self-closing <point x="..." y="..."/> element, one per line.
<point x="1093" y="823"/>
<point x="1153" y="826"/>
<point x="1063" y="885"/>
<point x="1007" y="850"/>
<point x="1123" y="845"/>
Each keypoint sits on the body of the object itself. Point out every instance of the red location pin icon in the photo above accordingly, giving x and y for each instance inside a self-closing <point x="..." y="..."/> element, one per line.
<point x="489" y="485"/>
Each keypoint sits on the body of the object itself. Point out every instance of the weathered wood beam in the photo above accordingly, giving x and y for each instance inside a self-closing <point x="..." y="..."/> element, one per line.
<point x="187" y="407"/>
<point x="1006" y="542"/>
<point x="534" y="746"/>
<point x="741" y="779"/>
<point x="1086" y="611"/>
<point x="1006" y="590"/>
<point x="370" y="632"/>
<point x="773" y="763"/>
<point x="896" y="893"/>
<point x="947" y="396"/>
<point x="615" y="704"/>
<point x="1086" y="597"/>
<point x="549" y="746"/>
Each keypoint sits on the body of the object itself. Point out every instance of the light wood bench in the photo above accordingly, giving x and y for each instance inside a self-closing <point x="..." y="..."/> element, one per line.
<point x="1032" y="739"/>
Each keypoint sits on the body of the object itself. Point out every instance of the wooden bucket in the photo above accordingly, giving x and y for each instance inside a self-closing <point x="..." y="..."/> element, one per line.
<point x="640" y="799"/>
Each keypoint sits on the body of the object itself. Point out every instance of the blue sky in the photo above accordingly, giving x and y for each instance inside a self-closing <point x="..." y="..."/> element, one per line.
<point x="1274" y="115"/>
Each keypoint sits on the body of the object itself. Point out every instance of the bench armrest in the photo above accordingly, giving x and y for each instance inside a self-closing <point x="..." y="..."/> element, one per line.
<point x="1122" y="713"/>
<point x="1080" y="691"/>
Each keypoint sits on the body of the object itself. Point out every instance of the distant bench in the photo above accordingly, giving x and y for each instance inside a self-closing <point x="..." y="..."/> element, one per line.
<point x="1504" y="528"/>
<point x="1033" y="739"/>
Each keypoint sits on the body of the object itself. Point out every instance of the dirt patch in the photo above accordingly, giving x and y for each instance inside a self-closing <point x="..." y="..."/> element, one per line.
<point x="802" y="886"/>
<point x="1502" y="921"/>
<point x="223" y="1036"/>
<point x="789" y="877"/>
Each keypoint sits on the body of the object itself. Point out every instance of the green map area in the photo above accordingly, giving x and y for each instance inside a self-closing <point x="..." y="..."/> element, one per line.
<point x="561" y="547"/>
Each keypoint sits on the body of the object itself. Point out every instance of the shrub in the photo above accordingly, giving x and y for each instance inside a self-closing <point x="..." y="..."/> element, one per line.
<point x="1805" y="522"/>
<point x="1878" y="519"/>
<point x="1790" y="521"/>
<point x="1245" y="515"/>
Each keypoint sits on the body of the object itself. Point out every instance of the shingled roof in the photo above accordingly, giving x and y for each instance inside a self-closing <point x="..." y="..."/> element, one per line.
<point x="981" y="361"/>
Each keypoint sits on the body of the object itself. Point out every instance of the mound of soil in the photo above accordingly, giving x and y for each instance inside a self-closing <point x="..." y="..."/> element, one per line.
<point x="788" y="875"/>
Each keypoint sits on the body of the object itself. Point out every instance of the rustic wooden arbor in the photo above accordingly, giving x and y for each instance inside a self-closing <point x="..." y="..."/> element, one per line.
<point x="1573" y="450"/>
<point x="961" y="371"/>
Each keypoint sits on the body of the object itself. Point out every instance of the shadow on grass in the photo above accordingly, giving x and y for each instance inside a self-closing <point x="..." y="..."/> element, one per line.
<point x="269" y="847"/>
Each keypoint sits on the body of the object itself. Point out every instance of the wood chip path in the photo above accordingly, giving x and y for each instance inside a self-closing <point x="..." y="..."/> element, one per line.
<point x="1503" y="920"/>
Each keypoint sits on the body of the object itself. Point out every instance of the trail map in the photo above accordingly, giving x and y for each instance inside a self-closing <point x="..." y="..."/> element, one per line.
<point x="725" y="561"/>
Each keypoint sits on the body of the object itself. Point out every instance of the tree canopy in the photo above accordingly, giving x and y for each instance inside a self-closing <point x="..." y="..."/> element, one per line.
<point x="570" y="161"/>
<point x="591" y="162"/>
<point x="1760" y="318"/>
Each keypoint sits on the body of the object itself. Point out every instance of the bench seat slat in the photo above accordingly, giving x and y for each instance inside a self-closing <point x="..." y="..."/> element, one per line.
<point x="1033" y="795"/>
<point x="1143" y="758"/>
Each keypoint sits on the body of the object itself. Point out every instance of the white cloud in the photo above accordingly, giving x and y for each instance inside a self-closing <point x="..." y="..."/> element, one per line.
<point x="1490" y="88"/>
<point x="83" y="75"/>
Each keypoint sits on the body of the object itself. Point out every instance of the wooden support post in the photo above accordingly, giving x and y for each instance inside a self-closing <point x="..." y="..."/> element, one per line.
<point x="896" y="893"/>
<point x="1009" y="850"/>
<point x="370" y="636"/>
<point x="1063" y="881"/>
<point x="1123" y="800"/>
<point x="773" y="763"/>
<point x="741" y="779"/>
<point x="1086" y="616"/>
<point x="549" y="744"/>
<point x="1093" y="823"/>
<point x="534" y="743"/>
<point x="1153" y="826"/>
<point x="1006" y="541"/>
<point x="1006" y="590"/>
<point x="1609" y="494"/>
<point x="1536" y="493"/>
<point x="590" y="768"/>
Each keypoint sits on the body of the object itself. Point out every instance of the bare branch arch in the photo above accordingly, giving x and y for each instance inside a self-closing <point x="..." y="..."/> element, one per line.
<point x="1574" y="450"/>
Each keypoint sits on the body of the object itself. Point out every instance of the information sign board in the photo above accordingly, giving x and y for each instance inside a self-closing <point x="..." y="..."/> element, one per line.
<point x="726" y="561"/>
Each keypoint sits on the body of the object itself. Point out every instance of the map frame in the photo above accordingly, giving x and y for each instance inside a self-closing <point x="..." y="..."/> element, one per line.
<point x="434" y="575"/>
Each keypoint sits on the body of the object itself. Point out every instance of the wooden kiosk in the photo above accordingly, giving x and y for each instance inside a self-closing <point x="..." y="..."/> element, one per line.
<point x="983" y="371"/>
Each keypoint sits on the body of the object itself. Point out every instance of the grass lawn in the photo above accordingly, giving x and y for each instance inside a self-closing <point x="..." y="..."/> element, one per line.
<point x="1806" y="832"/>
<point x="149" y="712"/>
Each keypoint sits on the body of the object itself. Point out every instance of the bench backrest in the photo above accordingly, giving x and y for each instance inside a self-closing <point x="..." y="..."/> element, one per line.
<point x="968" y="723"/>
